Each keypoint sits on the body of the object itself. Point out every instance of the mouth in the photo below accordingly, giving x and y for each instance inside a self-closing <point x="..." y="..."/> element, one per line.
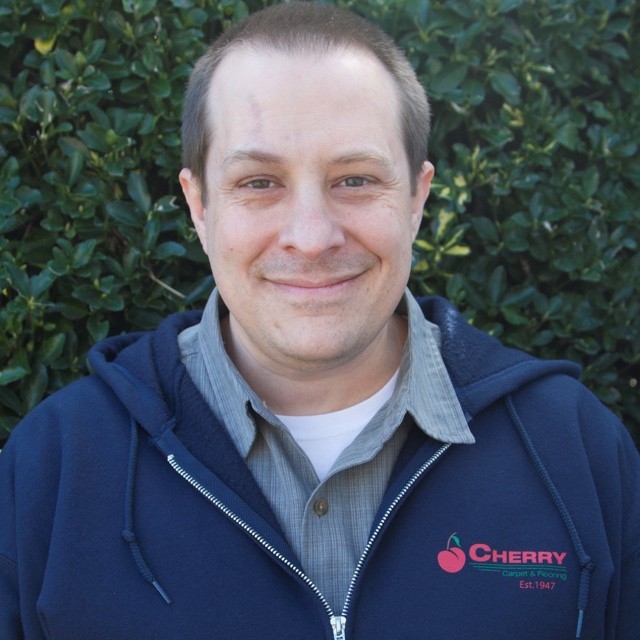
<point x="328" y="282"/>
<point x="326" y="291"/>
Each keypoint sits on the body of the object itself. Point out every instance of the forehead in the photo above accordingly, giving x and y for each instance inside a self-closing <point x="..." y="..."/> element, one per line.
<point x="258" y="92"/>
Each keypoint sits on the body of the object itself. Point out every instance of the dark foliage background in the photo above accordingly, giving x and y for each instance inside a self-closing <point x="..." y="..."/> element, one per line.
<point x="532" y="229"/>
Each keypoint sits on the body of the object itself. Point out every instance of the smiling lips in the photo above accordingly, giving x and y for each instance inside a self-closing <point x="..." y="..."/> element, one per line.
<point x="325" y="274"/>
<point x="301" y="283"/>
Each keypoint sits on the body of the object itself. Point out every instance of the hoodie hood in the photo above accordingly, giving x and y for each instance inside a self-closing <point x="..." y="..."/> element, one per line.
<point x="144" y="370"/>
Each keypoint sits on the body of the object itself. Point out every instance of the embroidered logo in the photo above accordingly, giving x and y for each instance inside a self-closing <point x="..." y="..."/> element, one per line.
<point x="546" y="567"/>
<point x="453" y="558"/>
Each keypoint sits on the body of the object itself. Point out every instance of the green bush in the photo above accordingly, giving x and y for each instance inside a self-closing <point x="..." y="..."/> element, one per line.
<point x="532" y="229"/>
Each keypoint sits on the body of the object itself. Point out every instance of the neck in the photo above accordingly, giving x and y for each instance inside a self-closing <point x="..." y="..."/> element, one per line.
<point x="291" y="391"/>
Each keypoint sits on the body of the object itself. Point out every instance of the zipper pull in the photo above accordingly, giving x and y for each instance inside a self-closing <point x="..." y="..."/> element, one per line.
<point x="338" y="624"/>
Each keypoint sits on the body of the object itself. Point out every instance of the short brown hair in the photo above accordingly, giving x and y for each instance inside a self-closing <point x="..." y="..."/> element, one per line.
<point x="293" y="28"/>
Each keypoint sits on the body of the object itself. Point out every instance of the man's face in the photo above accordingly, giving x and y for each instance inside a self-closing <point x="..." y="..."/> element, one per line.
<point x="309" y="218"/>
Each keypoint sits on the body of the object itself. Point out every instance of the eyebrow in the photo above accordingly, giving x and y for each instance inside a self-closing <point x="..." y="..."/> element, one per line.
<point x="251" y="154"/>
<point x="363" y="156"/>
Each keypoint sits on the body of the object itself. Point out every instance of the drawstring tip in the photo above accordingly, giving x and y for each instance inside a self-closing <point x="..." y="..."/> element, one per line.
<point x="579" y="627"/>
<point x="162" y="592"/>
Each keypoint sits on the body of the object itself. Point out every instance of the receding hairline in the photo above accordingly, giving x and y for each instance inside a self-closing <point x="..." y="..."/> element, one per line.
<point x="317" y="53"/>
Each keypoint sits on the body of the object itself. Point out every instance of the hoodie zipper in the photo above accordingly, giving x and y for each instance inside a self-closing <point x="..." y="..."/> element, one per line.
<point x="338" y="623"/>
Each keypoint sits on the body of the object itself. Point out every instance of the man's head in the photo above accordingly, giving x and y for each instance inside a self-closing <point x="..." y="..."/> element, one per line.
<point x="297" y="28"/>
<point x="311" y="210"/>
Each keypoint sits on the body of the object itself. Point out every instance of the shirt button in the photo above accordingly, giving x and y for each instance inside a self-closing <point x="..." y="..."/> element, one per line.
<point x="321" y="506"/>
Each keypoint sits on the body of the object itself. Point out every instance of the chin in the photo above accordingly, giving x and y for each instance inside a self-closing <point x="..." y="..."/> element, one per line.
<point x="307" y="354"/>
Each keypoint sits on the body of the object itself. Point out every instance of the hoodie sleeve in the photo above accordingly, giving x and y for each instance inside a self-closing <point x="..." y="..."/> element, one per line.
<point x="29" y="478"/>
<point x="616" y="471"/>
<point x="628" y="625"/>
<point x="629" y="619"/>
<point x="10" y="627"/>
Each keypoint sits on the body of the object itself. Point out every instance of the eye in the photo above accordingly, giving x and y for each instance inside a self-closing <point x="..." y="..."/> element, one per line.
<point x="355" y="181"/>
<point x="258" y="183"/>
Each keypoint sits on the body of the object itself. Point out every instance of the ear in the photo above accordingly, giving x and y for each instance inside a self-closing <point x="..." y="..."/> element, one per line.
<point x="193" y="195"/>
<point x="418" y="199"/>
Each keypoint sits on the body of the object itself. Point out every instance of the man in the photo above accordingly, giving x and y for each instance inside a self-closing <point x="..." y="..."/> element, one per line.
<point x="313" y="457"/>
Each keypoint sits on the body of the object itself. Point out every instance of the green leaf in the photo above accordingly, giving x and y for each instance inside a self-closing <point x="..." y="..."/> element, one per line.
<point x="98" y="329"/>
<point x="150" y="234"/>
<point x="160" y="87"/>
<point x="39" y="105"/>
<point x="514" y="317"/>
<point x="75" y="166"/>
<point x="497" y="284"/>
<point x="139" y="7"/>
<point x="115" y="23"/>
<point x="71" y="145"/>
<point x="486" y="229"/>
<point x="83" y="252"/>
<point x="18" y="279"/>
<point x="51" y="349"/>
<point x="520" y="297"/>
<point x="166" y="204"/>
<point x="509" y="5"/>
<point x="450" y="76"/>
<point x="506" y="85"/>
<point x="8" y="205"/>
<point x="8" y="115"/>
<point x="97" y="81"/>
<point x="67" y="63"/>
<point x="51" y="8"/>
<point x="128" y="85"/>
<point x="10" y="400"/>
<point x="70" y="309"/>
<point x="168" y="250"/>
<point x="125" y="213"/>
<point x="41" y="283"/>
<point x="457" y="250"/>
<point x="36" y="387"/>
<point x="95" y="137"/>
<point x="568" y="136"/>
<point x="125" y="121"/>
<point x="94" y="50"/>
<point x="12" y="374"/>
<point x="615" y="50"/>
<point x="137" y="189"/>
<point x="445" y="218"/>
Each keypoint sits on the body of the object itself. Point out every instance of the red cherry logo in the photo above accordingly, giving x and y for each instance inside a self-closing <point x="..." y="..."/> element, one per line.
<point x="452" y="559"/>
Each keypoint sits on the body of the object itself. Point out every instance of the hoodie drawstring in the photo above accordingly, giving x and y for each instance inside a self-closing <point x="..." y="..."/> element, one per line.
<point x="128" y="533"/>
<point x="586" y="565"/>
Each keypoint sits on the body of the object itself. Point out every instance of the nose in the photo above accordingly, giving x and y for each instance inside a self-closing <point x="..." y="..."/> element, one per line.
<point x="312" y="228"/>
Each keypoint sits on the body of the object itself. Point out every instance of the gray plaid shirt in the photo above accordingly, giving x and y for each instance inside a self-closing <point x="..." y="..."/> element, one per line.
<point x="327" y="523"/>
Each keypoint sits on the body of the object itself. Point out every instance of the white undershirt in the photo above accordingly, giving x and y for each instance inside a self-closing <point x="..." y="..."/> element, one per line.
<point x="325" y="436"/>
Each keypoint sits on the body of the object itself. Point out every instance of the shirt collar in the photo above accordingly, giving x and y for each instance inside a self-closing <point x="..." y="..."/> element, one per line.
<point x="230" y="390"/>
<point x="430" y="396"/>
<point x="424" y="388"/>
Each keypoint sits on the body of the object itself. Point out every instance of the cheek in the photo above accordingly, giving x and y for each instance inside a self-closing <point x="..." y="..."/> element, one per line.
<point x="391" y="234"/>
<point x="234" y="244"/>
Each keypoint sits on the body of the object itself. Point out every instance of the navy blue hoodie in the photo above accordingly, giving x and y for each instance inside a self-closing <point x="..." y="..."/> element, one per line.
<point x="126" y="513"/>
